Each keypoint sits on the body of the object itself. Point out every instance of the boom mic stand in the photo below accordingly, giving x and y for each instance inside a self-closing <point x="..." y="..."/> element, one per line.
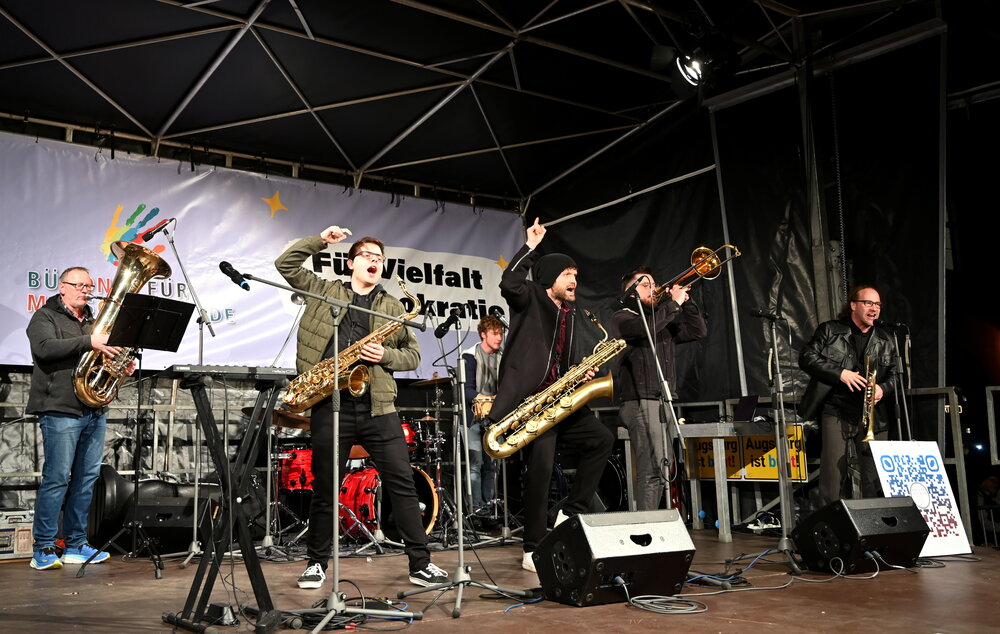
<point x="460" y="447"/>
<point x="203" y="321"/>
<point x="781" y="444"/>
<point x="336" y="603"/>
<point x="899" y="393"/>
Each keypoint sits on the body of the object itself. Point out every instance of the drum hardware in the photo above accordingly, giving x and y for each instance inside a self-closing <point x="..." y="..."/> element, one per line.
<point x="283" y="418"/>
<point x="437" y="380"/>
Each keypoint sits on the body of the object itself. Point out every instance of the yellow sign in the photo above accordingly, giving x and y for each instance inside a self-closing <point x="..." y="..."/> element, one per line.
<point x="749" y="457"/>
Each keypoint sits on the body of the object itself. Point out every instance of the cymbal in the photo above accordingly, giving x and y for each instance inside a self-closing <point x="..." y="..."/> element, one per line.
<point x="434" y="381"/>
<point x="284" y="418"/>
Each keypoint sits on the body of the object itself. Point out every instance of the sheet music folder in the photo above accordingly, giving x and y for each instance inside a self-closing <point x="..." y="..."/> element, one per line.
<point x="150" y="323"/>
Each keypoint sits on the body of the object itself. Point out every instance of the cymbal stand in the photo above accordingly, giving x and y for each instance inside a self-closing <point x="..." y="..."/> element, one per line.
<point x="460" y="451"/>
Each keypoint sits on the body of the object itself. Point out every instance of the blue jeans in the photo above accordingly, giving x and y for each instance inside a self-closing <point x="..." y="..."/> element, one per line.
<point x="481" y="468"/>
<point x="73" y="448"/>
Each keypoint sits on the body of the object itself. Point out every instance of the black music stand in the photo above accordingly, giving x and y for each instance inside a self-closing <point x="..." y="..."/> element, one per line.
<point x="148" y="323"/>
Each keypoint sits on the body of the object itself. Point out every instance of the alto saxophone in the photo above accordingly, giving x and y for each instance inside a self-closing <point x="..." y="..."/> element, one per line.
<point x="319" y="382"/>
<point x="542" y="411"/>
<point x="868" y="409"/>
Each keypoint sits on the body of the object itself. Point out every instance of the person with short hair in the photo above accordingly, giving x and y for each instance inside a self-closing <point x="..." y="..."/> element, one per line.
<point x="72" y="431"/>
<point x="834" y="358"/>
<point x="371" y="419"/>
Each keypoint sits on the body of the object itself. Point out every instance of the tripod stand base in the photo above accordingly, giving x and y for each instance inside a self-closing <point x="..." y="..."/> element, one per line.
<point x="459" y="581"/>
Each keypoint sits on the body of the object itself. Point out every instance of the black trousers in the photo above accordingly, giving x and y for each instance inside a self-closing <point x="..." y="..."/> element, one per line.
<point x="835" y="469"/>
<point x="582" y="431"/>
<point x="382" y="438"/>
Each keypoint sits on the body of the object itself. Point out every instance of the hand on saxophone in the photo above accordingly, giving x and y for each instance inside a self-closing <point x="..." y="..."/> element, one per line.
<point x="591" y="373"/>
<point x="334" y="234"/>
<point x="372" y="351"/>
<point x="853" y="380"/>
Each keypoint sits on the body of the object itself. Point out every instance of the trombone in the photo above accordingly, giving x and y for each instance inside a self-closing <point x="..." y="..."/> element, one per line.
<point x="704" y="263"/>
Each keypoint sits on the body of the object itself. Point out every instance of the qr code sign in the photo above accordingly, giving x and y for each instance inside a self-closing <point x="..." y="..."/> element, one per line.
<point x="915" y="469"/>
<point x="923" y="478"/>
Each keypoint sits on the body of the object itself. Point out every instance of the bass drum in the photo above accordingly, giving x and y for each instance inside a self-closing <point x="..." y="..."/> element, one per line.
<point x="363" y="504"/>
<point x="613" y="487"/>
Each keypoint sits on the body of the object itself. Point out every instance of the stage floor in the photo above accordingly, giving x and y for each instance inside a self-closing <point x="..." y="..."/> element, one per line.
<point x="124" y="596"/>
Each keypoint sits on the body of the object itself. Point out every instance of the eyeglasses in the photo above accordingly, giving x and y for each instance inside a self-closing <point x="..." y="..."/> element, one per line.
<point x="869" y="303"/>
<point x="80" y="286"/>
<point x="374" y="258"/>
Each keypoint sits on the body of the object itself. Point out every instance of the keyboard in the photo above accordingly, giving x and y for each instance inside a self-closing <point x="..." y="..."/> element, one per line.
<point x="234" y="372"/>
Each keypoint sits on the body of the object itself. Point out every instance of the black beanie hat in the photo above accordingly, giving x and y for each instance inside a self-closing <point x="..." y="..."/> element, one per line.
<point x="548" y="268"/>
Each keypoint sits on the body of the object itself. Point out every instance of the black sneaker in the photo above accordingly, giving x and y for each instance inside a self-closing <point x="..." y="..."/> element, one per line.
<point x="313" y="577"/>
<point x="429" y="575"/>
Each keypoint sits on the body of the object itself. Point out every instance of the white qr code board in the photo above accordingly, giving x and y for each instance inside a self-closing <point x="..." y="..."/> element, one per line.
<point x="915" y="468"/>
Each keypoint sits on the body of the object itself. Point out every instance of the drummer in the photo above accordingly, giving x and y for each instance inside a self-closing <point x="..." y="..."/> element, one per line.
<point x="482" y="362"/>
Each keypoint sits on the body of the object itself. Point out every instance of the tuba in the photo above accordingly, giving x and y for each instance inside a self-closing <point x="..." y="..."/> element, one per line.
<point x="542" y="411"/>
<point x="97" y="377"/>
<point x="319" y="382"/>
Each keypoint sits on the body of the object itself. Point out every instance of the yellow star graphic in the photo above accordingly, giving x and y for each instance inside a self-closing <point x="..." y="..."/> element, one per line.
<point x="274" y="203"/>
<point x="502" y="263"/>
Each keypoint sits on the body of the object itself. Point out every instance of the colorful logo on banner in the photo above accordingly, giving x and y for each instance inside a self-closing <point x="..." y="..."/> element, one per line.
<point x="749" y="457"/>
<point x="131" y="230"/>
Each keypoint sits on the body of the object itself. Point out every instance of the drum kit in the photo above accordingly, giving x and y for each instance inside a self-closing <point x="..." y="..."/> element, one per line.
<point x="365" y="514"/>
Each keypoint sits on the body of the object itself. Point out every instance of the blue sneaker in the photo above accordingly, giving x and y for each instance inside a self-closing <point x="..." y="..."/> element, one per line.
<point x="46" y="558"/>
<point x="80" y="554"/>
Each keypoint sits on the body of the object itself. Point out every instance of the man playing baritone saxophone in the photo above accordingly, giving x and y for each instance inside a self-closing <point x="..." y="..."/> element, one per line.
<point x="539" y="348"/>
<point x="370" y="420"/>
<point x="835" y="361"/>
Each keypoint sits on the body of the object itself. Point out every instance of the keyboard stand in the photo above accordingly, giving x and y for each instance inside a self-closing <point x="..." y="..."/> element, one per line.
<point x="216" y="531"/>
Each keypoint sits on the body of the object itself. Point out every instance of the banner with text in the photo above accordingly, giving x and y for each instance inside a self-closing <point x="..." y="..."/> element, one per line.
<point x="64" y="205"/>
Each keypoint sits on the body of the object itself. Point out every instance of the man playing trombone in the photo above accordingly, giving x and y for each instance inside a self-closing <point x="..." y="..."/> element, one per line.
<point x="673" y="318"/>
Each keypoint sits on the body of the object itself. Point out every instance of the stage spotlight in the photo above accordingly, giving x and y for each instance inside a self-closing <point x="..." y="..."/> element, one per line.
<point x="690" y="69"/>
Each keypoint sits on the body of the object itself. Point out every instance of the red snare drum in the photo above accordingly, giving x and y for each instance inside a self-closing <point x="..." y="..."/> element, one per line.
<point x="295" y="469"/>
<point x="361" y="493"/>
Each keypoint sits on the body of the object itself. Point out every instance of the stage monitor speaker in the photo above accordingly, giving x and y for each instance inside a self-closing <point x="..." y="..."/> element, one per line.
<point x="839" y="536"/>
<point x="579" y="561"/>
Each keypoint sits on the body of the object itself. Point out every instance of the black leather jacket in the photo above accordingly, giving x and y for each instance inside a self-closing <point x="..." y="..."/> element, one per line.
<point x="830" y="351"/>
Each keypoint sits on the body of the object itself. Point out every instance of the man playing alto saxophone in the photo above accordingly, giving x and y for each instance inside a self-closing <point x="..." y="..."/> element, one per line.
<point x="540" y="346"/>
<point x="835" y="361"/>
<point x="371" y="419"/>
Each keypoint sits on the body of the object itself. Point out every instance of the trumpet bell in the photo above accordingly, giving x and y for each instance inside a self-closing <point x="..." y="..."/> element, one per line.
<point x="706" y="262"/>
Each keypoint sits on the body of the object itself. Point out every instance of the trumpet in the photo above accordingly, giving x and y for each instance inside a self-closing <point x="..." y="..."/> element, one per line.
<point x="704" y="263"/>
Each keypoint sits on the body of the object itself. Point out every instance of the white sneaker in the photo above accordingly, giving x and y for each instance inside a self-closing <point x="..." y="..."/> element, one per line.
<point x="560" y="518"/>
<point x="313" y="577"/>
<point x="527" y="563"/>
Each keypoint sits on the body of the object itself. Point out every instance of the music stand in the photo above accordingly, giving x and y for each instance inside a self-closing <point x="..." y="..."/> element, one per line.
<point x="148" y="323"/>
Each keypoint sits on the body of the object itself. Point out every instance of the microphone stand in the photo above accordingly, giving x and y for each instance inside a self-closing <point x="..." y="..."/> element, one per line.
<point x="460" y="450"/>
<point x="194" y="548"/>
<point x="899" y="394"/>
<point x="336" y="603"/>
<point x="666" y="406"/>
<point x="781" y="445"/>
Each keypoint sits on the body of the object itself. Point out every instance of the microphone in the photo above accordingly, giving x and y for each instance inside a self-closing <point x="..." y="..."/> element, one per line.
<point x="630" y="292"/>
<point x="160" y="226"/>
<point x="234" y="275"/>
<point x="765" y="314"/>
<point x="443" y="327"/>
<point x="497" y="312"/>
<point x="890" y="324"/>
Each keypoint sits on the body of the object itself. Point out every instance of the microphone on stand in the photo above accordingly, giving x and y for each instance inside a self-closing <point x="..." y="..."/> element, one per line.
<point x="629" y="292"/>
<point x="497" y="312"/>
<point x="890" y="324"/>
<point x="443" y="327"/>
<point x="765" y="314"/>
<point x="160" y="226"/>
<point x="234" y="275"/>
